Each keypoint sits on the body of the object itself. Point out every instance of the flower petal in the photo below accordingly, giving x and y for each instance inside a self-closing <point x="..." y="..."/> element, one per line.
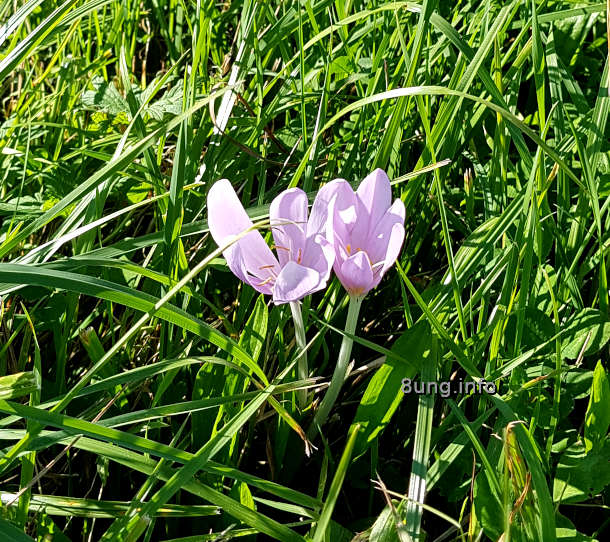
<point x="375" y="194"/>
<point x="250" y="259"/>
<point x="385" y="234"/>
<point x="397" y="236"/>
<point x="226" y="214"/>
<point x="319" y="254"/>
<point x="343" y="209"/>
<point x="338" y="190"/>
<point x="288" y="216"/>
<point x="237" y="264"/>
<point x="295" y="282"/>
<point x="356" y="274"/>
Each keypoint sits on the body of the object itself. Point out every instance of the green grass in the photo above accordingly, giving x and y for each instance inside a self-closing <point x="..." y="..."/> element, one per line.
<point x="145" y="394"/>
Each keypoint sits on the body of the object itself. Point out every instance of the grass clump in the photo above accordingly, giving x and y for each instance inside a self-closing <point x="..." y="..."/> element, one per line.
<point x="147" y="394"/>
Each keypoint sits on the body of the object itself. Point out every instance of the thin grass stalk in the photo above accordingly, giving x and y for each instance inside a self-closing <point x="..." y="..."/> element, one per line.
<point x="421" y="451"/>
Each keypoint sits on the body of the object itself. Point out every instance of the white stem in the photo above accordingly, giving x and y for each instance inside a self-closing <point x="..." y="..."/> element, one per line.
<point x="340" y="369"/>
<point x="299" y="334"/>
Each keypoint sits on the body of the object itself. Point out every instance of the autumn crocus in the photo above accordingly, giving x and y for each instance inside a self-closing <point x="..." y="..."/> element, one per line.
<point x="365" y="228"/>
<point x="367" y="231"/>
<point x="304" y="256"/>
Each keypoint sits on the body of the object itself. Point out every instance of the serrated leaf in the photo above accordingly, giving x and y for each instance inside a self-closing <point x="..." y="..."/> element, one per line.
<point x="104" y="97"/>
<point x="169" y="104"/>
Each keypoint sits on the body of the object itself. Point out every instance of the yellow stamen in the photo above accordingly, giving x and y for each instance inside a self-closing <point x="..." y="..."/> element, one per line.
<point x="349" y="249"/>
<point x="299" y="257"/>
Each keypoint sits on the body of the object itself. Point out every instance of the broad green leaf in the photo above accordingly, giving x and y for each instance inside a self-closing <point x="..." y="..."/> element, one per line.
<point x="545" y="518"/>
<point x="10" y="533"/>
<point x="580" y="475"/>
<point x="488" y="508"/>
<point x="18" y="385"/>
<point x="383" y="393"/>
<point x="587" y="332"/>
<point x="389" y="528"/>
<point x="566" y="532"/>
<point x="104" y="97"/>
<point x="597" y="418"/>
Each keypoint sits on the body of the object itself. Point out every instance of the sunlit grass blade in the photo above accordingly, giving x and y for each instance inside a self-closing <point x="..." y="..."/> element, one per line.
<point x="335" y="487"/>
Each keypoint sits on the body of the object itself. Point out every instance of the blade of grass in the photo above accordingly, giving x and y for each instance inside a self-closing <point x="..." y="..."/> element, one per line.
<point x="335" y="487"/>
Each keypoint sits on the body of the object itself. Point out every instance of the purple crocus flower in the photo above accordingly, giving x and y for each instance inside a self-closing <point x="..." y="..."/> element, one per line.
<point x="365" y="228"/>
<point x="305" y="257"/>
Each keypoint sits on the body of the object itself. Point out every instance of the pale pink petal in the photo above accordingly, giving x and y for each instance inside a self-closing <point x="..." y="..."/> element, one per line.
<point x="343" y="209"/>
<point x="288" y="218"/>
<point x="320" y="221"/>
<point x="319" y="254"/>
<point x="237" y="264"/>
<point x="377" y="244"/>
<point x="356" y="274"/>
<point x="360" y="231"/>
<point x="249" y="258"/>
<point x="397" y="236"/>
<point x="295" y="282"/>
<point x="375" y="194"/>
<point x="226" y="214"/>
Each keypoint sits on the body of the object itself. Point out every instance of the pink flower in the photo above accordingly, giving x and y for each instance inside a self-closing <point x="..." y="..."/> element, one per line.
<point x="365" y="228"/>
<point x="305" y="256"/>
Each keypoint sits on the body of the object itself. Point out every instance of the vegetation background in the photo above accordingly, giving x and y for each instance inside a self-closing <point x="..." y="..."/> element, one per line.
<point x="144" y="391"/>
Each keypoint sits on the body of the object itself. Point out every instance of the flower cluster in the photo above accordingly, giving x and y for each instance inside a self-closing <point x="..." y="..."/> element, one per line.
<point x="358" y="233"/>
